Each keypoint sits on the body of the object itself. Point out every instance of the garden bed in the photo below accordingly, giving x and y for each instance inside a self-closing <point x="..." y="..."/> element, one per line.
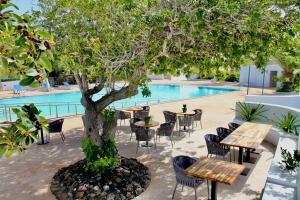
<point x="126" y="181"/>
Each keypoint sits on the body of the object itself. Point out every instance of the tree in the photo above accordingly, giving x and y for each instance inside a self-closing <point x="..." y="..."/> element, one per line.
<point x="119" y="42"/>
<point x="289" y="57"/>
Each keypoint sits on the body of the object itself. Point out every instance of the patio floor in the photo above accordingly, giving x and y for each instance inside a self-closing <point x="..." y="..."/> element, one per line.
<point x="29" y="176"/>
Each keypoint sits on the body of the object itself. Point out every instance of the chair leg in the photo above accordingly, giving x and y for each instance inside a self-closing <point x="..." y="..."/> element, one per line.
<point x="174" y="191"/>
<point x="62" y="136"/>
<point x="207" y="189"/>
<point x="130" y="136"/>
<point x="201" y="124"/>
<point x="195" y="193"/>
<point x="171" y="141"/>
<point x="137" y="147"/>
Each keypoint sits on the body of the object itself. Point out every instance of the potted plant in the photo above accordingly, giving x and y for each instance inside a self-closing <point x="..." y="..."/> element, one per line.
<point x="289" y="123"/>
<point x="147" y="119"/>
<point x="250" y="113"/>
<point x="289" y="161"/>
<point x="184" y="108"/>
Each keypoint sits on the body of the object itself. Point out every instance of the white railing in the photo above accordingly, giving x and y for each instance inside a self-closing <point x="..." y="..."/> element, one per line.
<point x="63" y="109"/>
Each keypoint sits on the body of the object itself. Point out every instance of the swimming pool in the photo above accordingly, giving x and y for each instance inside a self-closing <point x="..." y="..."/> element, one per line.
<point x="64" y="104"/>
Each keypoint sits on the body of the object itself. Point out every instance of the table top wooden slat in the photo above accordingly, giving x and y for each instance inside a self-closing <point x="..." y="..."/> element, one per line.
<point x="248" y="135"/>
<point x="215" y="170"/>
<point x="149" y="125"/>
<point x="135" y="109"/>
<point x="185" y="113"/>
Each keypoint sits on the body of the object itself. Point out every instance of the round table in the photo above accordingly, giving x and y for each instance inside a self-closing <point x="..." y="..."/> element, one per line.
<point x="134" y="109"/>
<point x="147" y="126"/>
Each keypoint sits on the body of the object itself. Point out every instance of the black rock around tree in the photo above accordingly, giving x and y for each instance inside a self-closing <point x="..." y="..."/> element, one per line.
<point x="126" y="181"/>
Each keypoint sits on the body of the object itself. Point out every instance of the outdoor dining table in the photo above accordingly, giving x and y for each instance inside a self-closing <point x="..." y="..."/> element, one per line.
<point x="249" y="136"/>
<point x="147" y="126"/>
<point x="216" y="171"/>
<point x="134" y="109"/>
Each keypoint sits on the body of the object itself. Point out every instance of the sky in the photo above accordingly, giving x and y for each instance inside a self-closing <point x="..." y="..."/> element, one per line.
<point x="24" y="5"/>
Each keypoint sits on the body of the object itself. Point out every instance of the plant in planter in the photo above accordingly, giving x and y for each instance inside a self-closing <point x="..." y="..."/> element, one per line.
<point x="289" y="123"/>
<point x="289" y="161"/>
<point x="147" y="119"/>
<point x="184" y="108"/>
<point x="250" y="113"/>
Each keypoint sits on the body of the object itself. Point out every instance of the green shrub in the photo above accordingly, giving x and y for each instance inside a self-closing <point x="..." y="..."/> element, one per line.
<point x="250" y="113"/>
<point x="232" y="77"/>
<point x="289" y="161"/>
<point x="288" y="123"/>
<point x="99" y="160"/>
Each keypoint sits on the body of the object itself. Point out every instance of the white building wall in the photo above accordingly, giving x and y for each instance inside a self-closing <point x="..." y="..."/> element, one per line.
<point x="256" y="75"/>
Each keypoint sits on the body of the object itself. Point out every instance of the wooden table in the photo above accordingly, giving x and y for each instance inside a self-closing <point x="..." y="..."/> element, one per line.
<point x="147" y="126"/>
<point x="249" y="136"/>
<point x="215" y="171"/>
<point x="134" y="109"/>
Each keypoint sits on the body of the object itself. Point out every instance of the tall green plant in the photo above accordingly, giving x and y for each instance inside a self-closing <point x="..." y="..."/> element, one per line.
<point x="289" y="123"/>
<point x="251" y="112"/>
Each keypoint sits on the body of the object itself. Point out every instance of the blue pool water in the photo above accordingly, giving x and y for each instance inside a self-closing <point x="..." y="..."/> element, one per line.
<point x="53" y="105"/>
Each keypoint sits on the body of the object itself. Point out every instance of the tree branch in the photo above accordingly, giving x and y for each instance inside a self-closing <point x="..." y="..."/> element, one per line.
<point x="116" y="95"/>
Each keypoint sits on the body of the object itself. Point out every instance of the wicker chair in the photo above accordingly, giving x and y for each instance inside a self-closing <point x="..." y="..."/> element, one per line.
<point x="198" y="116"/>
<point x="146" y="108"/>
<point x="214" y="147"/>
<point x="132" y="126"/>
<point x="144" y="135"/>
<point x="121" y="115"/>
<point x="56" y="127"/>
<point x="166" y="129"/>
<point x="180" y="163"/>
<point x="232" y="126"/>
<point x="223" y="132"/>
<point x="141" y="114"/>
<point x="187" y="122"/>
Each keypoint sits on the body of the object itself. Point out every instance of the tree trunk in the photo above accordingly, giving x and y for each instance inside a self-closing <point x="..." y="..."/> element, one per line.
<point x="288" y="84"/>
<point x="92" y="124"/>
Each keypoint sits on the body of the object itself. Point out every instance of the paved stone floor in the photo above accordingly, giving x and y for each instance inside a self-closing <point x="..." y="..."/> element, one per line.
<point x="28" y="177"/>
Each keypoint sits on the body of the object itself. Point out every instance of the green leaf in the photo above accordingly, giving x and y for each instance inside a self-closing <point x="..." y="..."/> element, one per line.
<point x="42" y="47"/>
<point x="44" y="34"/>
<point x="2" y="149"/>
<point x="4" y="62"/>
<point x="35" y="84"/>
<point x="21" y="40"/>
<point x="27" y="81"/>
<point x="9" y="152"/>
<point x="45" y="62"/>
<point x="32" y="72"/>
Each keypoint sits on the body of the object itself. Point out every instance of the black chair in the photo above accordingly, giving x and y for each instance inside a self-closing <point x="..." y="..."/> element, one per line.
<point x="146" y="108"/>
<point x="132" y="126"/>
<point x="197" y="116"/>
<point x="223" y="132"/>
<point x="144" y="135"/>
<point x="232" y="126"/>
<point x="122" y="115"/>
<point x="187" y="122"/>
<point x="56" y="127"/>
<point x="170" y="116"/>
<point x="141" y="114"/>
<point x="180" y="163"/>
<point x="166" y="129"/>
<point x="214" y="147"/>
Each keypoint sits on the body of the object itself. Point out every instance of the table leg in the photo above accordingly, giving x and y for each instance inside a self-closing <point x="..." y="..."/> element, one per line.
<point x="147" y="142"/>
<point x="241" y="155"/>
<point x="42" y="138"/>
<point x="213" y="193"/>
<point x="248" y="157"/>
<point x="246" y="170"/>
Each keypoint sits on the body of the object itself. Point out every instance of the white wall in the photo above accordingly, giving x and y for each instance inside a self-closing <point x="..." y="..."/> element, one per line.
<point x="289" y="100"/>
<point x="256" y="75"/>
